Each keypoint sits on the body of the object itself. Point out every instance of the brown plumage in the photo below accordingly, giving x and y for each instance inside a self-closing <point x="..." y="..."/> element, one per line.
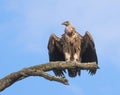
<point x="72" y="47"/>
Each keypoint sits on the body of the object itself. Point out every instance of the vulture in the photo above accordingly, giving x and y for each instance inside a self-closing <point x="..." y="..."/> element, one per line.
<point x="72" y="47"/>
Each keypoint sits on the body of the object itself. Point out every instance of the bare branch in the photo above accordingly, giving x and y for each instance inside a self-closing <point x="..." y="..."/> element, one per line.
<point x="39" y="70"/>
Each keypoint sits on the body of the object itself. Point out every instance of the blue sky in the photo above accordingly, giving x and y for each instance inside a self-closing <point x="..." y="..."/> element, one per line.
<point x="25" y="27"/>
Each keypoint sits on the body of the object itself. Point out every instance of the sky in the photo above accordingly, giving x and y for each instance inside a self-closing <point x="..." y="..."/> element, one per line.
<point x="25" y="27"/>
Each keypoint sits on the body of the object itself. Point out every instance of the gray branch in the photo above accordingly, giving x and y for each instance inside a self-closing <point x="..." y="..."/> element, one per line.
<point x="40" y="70"/>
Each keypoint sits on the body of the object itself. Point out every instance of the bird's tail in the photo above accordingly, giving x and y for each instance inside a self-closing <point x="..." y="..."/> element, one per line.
<point x="73" y="72"/>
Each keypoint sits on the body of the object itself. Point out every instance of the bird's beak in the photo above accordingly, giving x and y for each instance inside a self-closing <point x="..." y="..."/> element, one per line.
<point x="63" y="23"/>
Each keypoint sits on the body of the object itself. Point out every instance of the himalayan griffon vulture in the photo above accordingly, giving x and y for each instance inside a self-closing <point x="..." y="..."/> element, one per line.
<point x="72" y="47"/>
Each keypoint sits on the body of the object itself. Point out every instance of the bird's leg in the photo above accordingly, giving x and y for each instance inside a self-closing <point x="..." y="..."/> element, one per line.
<point x="67" y="56"/>
<point x="76" y="58"/>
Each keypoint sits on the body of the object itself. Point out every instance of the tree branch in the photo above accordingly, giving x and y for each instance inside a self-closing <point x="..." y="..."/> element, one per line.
<point x="39" y="70"/>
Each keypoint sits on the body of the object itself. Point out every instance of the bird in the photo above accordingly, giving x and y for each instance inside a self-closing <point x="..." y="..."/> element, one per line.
<point x="72" y="46"/>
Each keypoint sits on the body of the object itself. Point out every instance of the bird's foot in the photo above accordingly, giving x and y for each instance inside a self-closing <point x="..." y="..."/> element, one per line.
<point x="76" y="61"/>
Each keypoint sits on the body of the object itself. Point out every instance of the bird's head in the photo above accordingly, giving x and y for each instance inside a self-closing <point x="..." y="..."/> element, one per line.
<point x="66" y="23"/>
<point x="69" y="30"/>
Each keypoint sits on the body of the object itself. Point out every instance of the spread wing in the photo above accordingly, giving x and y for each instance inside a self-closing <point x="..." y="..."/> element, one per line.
<point x="88" y="51"/>
<point x="55" y="53"/>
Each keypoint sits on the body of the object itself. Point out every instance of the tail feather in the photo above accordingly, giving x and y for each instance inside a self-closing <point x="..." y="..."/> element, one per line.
<point x="73" y="72"/>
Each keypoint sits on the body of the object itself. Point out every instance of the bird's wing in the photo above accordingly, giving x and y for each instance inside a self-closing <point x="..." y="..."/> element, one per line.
<point x="88" y="51"/>
<point x="56" y="53"/>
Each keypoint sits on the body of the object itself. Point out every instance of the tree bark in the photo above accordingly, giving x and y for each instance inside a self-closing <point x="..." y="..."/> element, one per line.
<point x="40" y="70"/>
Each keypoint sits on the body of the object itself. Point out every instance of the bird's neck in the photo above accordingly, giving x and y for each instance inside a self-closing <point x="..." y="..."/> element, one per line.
<point x="70" y="36"/>
<point x="70" y="31"/>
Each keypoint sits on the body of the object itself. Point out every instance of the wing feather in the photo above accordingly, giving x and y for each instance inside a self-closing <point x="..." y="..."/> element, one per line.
<point x="55" y="53"/>
<point x="88" y="52"/>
